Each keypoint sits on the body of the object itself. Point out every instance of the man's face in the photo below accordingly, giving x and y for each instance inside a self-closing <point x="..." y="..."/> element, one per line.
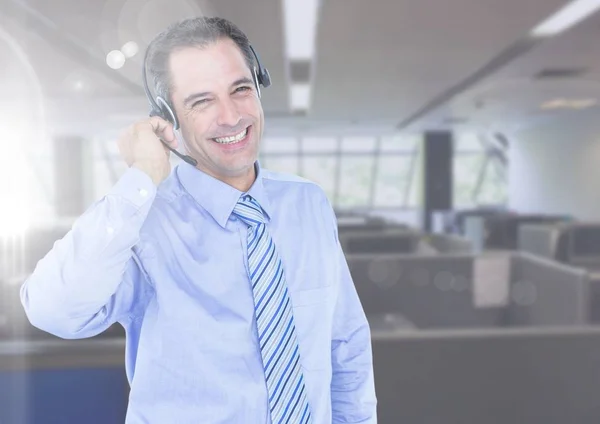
<point x="219" y="111"/>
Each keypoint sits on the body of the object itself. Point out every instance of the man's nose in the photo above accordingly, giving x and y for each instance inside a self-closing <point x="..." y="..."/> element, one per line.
<point x="229" y="115"/>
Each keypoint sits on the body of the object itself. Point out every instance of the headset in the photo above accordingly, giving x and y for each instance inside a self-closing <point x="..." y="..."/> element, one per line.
<point x="160" y="107"/>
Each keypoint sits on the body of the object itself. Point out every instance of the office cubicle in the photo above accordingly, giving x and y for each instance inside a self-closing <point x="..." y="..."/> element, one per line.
<point x="380" y="241"/>
<point x="494" y="338"/>
<point x="501" y="232"/>
<point x="465" y="291"/>
<point x="576" y="244"/>
<point x="448" y="243"/>
<point x="366" y="224"/>
<point x="529" y="375"/>
<point x="453" y="221"/>
<point x="572" y="243"/>
<point x="399" y="239"/>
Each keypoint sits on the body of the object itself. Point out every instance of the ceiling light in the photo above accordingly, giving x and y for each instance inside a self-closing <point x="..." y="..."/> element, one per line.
<point x="570" y="15"/>
<point x="553" y="104"/>
<point x="569" y="104"/>
<point x="300" y="28"/>
<point x="583" y="103"/>
<point x="115" y="59"/>
<point x="78" y="85"/>
<point x="299" y="97"/>
<point x="130" y="49"/>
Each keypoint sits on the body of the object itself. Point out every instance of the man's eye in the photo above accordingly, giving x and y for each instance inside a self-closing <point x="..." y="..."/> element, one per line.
<point x="200" y="102"/>
<point x="241" y="89"/>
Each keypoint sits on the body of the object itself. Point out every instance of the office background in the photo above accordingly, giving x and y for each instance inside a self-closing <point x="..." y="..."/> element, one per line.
<point x="458" y="141"/>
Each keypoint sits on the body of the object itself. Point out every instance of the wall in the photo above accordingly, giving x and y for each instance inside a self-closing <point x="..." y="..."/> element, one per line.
<point x="555" y="168"/>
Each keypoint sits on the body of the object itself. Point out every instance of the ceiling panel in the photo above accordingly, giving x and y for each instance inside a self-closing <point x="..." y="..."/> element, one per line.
<point x="511" y="98"/>
<point x="386" y="59"/>
<point x="377" y="62"/>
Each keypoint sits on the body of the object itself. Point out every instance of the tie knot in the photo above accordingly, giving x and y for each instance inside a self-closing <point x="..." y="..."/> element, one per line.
<point x="248" y="210"/>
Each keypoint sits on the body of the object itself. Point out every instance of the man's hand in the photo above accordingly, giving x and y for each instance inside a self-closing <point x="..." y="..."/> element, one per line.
<point x="141" y="147"/>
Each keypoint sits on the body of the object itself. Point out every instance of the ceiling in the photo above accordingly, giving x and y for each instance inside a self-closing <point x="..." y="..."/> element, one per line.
<point x="511" y="98"/>
<point x="380" y="64"/>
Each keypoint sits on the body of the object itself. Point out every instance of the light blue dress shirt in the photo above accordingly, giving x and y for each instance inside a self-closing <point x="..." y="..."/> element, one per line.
<point x="170" y="265"/>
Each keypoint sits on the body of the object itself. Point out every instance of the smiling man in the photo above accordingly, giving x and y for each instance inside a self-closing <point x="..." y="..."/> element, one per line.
<point x="229" y="280"/>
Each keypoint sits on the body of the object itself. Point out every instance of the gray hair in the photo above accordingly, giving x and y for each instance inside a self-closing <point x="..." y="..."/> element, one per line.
<point x="193" y="32"/>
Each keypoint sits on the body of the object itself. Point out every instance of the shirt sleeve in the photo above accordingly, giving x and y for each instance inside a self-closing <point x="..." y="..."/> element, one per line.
<point x="352" y="387"/>
<point x="92" y="278"/>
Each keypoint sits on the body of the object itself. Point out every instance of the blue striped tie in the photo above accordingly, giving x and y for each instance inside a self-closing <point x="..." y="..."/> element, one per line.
<point x="274" y="319"/>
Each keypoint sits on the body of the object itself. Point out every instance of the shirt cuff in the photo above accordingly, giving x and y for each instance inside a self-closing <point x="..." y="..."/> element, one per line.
<point x="135" y="186"/>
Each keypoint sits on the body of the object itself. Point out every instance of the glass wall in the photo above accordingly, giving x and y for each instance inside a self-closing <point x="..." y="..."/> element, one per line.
<point x="354" y="171"/>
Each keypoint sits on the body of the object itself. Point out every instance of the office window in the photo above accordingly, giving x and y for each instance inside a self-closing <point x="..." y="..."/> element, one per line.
<point x="494" y="186"/>
<point x="415" y="178"/>
<point x="320" y="145"/>
<point x="467" y="142"/>
<point x="400" y="143"/>
<point x="279" y="145"/>
<point x="356" y="174"/>
<point x="358" y="145"/>
<point x="277" y="163"/>
<point x="392" y="181"/>
<point x="322" y="171"/>
<point x="467" y="168"/>
<point x="480" y="178"/>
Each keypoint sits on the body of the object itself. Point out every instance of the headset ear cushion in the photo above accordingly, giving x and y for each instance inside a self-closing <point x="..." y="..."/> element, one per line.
<point x="167" y="113"/>
<point x="265" y="77"/>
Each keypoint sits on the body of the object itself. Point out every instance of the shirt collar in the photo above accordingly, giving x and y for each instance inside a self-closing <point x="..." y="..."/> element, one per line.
<point x="217" y="197"/>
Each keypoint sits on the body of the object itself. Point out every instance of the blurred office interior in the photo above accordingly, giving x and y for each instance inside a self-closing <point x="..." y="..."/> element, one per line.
<point x="458" y="141"/>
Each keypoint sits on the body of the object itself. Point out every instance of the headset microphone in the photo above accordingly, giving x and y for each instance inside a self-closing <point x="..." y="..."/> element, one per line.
<point x="160" y="107"/>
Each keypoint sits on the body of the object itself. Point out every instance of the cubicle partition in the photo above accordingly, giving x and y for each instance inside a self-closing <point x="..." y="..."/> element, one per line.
<point x="573" y="243"/>
<point x="513" y="375"/>
<point x="361" y="224"/>
<point x="449" y="243"/>
<point x="453" y="221"/>
<point x="546" y="292"/>
<point x="502" y="231"/>
<point x="429" y="291"/>
<point x="463" y="291"/>
<point x="394" y="240"/>
<point x="576" y="244"/>
<point x="498" y="337"/>
<point x="492" y="338"/>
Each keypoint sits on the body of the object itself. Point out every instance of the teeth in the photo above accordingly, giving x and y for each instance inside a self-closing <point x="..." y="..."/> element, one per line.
<point x="232" y="139"/>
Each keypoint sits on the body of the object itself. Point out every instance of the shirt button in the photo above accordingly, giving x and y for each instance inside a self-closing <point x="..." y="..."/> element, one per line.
<point x="233" y="219"/>
<point x="143" y="192"/>
<point x="110" y="230"/>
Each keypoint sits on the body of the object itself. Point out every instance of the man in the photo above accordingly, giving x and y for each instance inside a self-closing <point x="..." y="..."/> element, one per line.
<point x="228" y="279"/>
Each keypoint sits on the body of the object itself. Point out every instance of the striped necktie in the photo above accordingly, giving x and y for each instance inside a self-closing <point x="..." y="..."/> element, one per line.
<point x="275" y="322"/>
